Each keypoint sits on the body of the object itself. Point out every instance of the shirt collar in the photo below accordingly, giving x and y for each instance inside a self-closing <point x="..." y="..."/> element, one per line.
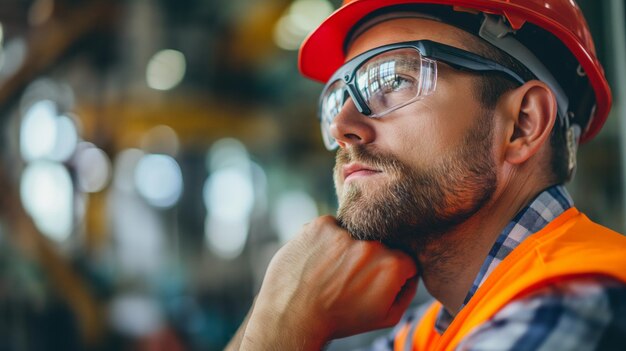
<point x="548" y="205"/>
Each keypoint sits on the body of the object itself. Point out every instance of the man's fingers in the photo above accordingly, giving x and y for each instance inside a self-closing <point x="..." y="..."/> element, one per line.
<point x="402" y="301"/>
<point x="408" y="265"/>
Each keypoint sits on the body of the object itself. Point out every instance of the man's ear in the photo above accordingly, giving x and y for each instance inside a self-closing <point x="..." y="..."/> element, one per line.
<point x="531" y="110"/>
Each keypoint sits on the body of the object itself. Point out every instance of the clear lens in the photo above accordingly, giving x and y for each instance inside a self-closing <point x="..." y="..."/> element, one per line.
<point x="385" y="82"/>
<point x="329" y="141"/>
<point x="332" y="102"/>
<point x="394" y="79"/>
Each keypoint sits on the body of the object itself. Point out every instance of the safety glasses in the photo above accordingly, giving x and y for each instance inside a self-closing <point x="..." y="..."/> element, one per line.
<point x="390" y="77"/>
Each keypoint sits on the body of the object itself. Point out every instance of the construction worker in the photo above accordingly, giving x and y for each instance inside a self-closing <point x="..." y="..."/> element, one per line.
<point x="456" y="124"/>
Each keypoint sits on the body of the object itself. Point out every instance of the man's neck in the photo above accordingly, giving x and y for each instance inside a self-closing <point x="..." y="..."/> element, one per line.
<point x="450" y="264"/>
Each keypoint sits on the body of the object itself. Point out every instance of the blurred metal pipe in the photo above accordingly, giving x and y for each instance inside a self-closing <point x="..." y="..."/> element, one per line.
<point x="617" y="41"/>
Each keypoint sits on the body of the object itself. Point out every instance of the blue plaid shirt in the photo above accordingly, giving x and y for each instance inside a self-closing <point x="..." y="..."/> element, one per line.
<point x="586" y="313"/>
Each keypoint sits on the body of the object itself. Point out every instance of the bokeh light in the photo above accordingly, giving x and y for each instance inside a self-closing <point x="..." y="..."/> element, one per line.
<point x="226" y="239"/>
<point x="65" y="139"/>
<point x="166" y="69"/>
<point x="135" y="315"/>
<point x="48" y="89"/>
<point x="229" y="194"/>
<point x="46" y="191"/>
<point x="39" y="130"/>
<point x="229" y="197"/>
<point x="227" y="152"/>
<point x="93" y="168"/>
<point x="159" y="180"/>
<point x="293" y="209"/>
<point x="301" y="17"/>
<point x="161" y="139"/>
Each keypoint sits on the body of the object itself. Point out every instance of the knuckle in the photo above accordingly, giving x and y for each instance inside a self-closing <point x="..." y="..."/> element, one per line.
<point x="391" y="264"/>
<point x="366" y="249"/>
<point x="323" y="229"/>
<point x="397" y="267"/>
<point x="326" y="219"/>
<point x="320" y="222"/>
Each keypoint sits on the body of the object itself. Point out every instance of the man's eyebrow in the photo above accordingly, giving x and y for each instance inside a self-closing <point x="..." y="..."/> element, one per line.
<point x="469" y="42"/>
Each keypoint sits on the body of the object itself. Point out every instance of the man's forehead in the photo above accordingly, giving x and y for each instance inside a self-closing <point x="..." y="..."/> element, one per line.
<point x="400" y="29"/>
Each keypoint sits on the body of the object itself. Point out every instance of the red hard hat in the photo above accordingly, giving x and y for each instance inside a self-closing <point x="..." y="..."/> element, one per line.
<point x="322" y="53"/>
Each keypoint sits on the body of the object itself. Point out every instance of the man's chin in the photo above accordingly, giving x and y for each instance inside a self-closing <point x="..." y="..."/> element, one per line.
<point x="359" y="230"/>
<point x="365" y="222"/>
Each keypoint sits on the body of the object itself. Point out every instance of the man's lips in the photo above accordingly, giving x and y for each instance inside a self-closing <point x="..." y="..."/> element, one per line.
<point x="354" y="170"/>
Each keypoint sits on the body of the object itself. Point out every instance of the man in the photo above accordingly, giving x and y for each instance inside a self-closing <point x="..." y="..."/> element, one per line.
<point x="456" y="128"/>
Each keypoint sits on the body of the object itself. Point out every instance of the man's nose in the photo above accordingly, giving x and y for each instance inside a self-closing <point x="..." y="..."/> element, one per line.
<point x="351" y="127"/>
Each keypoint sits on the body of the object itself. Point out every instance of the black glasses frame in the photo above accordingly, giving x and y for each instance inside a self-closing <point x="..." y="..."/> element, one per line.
<point x="455" y="57"/>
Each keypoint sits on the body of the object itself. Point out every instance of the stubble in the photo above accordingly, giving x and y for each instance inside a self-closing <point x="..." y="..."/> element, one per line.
<point x="409" y="207"/>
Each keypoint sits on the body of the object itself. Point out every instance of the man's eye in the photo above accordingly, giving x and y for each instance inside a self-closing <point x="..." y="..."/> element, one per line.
<point x="396" y="83"/>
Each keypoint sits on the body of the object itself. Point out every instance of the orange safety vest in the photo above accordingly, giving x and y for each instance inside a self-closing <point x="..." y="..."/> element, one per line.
<point x="569" y="246"/>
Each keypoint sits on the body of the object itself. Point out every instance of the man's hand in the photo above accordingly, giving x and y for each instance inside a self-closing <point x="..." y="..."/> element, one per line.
<point x="323" y="285"/>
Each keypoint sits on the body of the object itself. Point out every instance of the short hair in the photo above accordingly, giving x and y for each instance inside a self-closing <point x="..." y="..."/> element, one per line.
<point x="492" y="85"/>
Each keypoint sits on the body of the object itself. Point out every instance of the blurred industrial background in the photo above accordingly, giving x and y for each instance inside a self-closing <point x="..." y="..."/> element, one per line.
<point x="154" y="154"/>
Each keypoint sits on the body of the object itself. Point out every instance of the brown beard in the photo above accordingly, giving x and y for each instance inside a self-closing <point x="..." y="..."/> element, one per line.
<point x="412" y="207"/>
